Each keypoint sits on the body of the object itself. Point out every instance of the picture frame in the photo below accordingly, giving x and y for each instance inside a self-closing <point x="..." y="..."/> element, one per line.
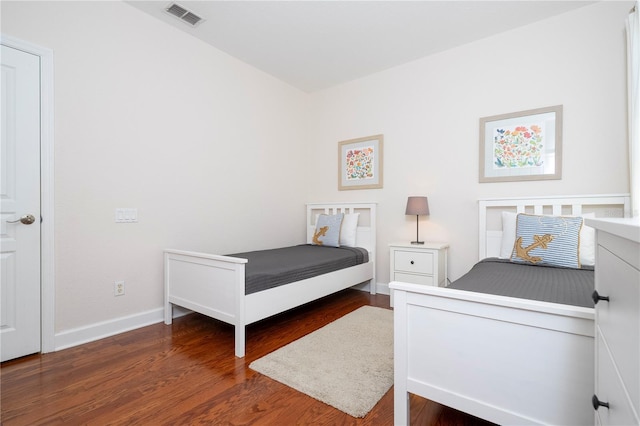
<point x="521" y="146"/>
<point x="360" y="163"/>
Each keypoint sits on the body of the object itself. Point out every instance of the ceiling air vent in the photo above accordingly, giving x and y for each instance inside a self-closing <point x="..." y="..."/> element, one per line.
<point x="183" y="14"/>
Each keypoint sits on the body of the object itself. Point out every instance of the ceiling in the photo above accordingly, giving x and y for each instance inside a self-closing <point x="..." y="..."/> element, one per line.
<point x="313" y="45"/>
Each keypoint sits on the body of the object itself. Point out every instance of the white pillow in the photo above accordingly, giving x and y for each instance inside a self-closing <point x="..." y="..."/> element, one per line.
<point x="587" y="238"/>
<point x="508" y="234"/>
<point x="348" y="230"/>
<point x="587" y="243"/>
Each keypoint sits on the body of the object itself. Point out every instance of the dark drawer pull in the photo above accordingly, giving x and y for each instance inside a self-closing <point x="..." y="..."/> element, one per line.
<point x="412" y="262"/>
<point x="596" y="297"/>
<point x="597" y="403"/>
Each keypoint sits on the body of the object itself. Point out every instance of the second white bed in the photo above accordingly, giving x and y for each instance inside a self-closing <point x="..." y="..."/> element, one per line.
<point x="503" y="359"/>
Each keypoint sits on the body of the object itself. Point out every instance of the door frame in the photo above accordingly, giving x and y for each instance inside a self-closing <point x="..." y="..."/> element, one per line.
<point x="47" y="266"/>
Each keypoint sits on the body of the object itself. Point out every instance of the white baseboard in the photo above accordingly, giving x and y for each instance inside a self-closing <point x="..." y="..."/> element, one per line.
<point x="92" y="332"/>
<point x="100" y="330"/>
<point x="383" y="288"/>
<point x="380" y="288"/>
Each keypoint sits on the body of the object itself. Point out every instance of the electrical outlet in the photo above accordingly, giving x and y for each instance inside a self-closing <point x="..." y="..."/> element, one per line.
<point x="118" y="289"/>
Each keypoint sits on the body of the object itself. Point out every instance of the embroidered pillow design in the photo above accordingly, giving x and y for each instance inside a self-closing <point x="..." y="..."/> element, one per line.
<point x="547" y="240"/>
<point x="328" y="230"/>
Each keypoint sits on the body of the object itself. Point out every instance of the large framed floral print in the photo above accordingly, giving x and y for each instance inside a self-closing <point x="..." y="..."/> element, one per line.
<point x="525" y="145"/>
<point x="360" y="163"/>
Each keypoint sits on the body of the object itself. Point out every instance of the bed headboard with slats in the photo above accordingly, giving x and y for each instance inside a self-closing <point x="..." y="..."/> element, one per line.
<point x="490" y="225"/>
<point x="366" y="231"/>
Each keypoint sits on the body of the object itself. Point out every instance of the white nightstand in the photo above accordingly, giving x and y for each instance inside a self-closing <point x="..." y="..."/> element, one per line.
<point x="424" y="264"/>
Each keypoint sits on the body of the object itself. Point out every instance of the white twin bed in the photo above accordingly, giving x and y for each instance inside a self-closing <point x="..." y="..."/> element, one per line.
<point x="214" y="285"/>
<point x="504" y="359"/>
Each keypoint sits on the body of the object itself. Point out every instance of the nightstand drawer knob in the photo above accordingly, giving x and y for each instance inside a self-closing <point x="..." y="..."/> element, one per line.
<point x="412" y="262"/>
<point x="596" y="297"/>
<point x="597" y="403"/>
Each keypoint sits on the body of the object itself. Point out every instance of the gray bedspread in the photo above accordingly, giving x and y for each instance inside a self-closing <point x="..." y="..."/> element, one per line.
<point x="548" y="284"/>
<point x="271" y="268"/>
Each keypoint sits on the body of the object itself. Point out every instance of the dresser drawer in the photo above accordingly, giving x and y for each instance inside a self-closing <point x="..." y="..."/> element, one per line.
<point x="413" y="279"/>
<point x="618" y="318"/>
<point x="411" y="261"/>
<point x="609" y="389"/>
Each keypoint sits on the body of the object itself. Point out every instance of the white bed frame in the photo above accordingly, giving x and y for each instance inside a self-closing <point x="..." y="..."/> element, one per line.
<point x="214" y="285"/>
<point x="503" y="359"/>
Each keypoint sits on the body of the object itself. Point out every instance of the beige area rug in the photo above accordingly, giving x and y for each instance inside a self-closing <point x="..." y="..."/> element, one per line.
<point x="347" y="364"/>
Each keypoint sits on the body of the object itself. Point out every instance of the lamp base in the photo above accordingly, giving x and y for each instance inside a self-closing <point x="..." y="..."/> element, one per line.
<point x="417" y="242"/>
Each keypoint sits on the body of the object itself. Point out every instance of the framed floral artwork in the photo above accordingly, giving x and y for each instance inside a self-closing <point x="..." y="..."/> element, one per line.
<point x="525" y="145"/>
<point x="360" y="163"/>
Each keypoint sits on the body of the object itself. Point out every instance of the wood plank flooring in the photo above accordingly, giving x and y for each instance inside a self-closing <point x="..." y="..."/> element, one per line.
<point x="186" y="374"/>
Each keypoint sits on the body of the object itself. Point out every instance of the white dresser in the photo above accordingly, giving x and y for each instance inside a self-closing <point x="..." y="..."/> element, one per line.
<point x="617" y="336"/>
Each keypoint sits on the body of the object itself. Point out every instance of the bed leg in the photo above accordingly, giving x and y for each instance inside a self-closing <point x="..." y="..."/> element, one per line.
<point x="400" y="360"/>
<point x="168" y="313"/>
<point x="168" y="307"/>
<point x="240" y="340"/>
<point x="401" y="408"/>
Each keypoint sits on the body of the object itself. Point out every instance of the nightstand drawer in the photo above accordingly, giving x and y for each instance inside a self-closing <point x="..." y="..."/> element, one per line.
<point x="411" y="261"/>
<point x="413" y="279"/>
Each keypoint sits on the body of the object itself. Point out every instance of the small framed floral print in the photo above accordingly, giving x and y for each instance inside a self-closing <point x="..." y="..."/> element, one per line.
<point x="525" y="145"/>
<point x="360" y="163"/>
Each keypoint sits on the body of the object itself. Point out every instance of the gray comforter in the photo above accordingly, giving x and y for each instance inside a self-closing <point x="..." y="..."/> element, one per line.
<point x="271" y="268"/>
<point x="548" y="284"/>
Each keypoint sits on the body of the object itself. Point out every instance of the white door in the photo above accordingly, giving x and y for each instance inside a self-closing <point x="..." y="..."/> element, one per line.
<point x="20" y="205"/>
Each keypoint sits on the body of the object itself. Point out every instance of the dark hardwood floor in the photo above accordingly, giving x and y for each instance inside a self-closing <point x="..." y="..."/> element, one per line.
<point x="186" y="374"/>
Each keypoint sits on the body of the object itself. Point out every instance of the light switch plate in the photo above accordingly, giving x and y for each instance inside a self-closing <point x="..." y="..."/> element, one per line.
<point x="126" y="215"/>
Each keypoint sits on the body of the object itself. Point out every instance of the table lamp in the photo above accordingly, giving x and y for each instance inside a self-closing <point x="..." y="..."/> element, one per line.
<point x="417" y="206"/>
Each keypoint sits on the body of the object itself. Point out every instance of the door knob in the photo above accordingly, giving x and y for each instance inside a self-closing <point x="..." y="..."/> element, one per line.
<point x="27" y="219"/>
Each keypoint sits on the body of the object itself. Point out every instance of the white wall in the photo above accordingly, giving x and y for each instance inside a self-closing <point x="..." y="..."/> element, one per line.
<point x="147" y="116"/>
<point x="428" y="111"/>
